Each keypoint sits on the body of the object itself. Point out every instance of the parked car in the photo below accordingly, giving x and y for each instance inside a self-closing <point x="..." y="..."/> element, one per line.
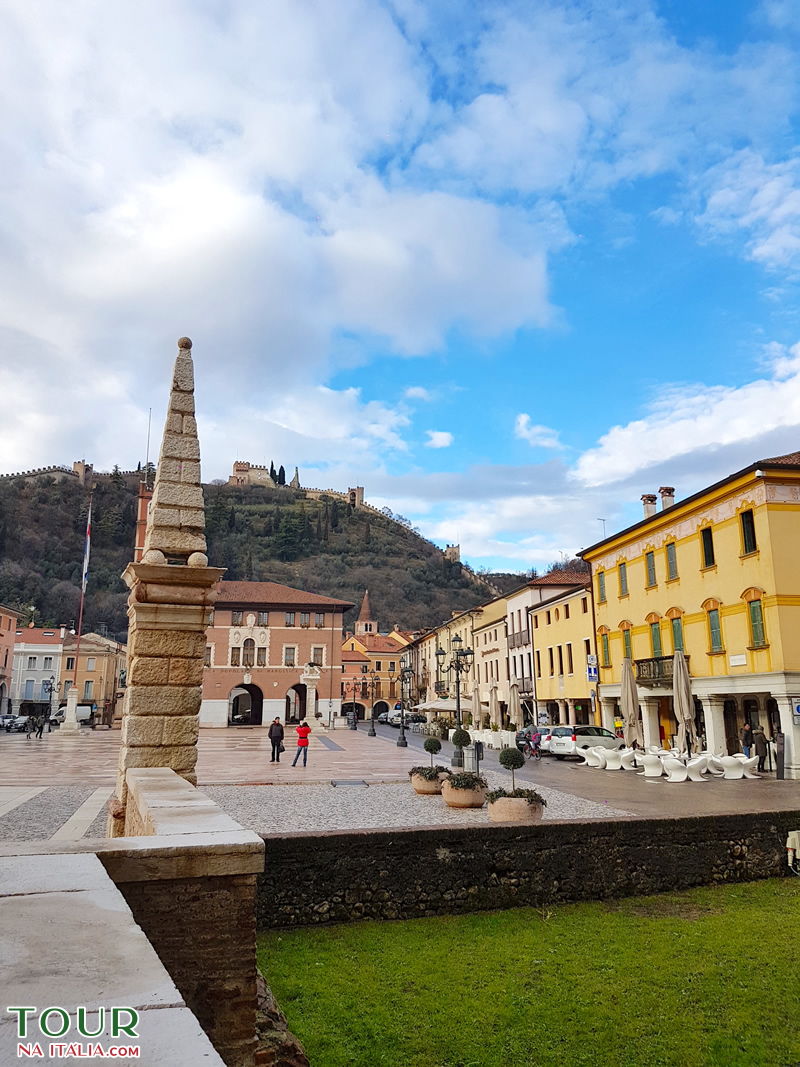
<point x="566" y="740"/>
<point x="6" y="720"/>
<point x="409" y="718"/>
<point x="383" y="717"/>
<point x="16" y="724"/>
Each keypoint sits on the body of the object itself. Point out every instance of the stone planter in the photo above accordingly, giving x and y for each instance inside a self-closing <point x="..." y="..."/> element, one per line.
<point x="514" y="809"/>
<point x="463" y="798"/>
<point x="425" y="787"/>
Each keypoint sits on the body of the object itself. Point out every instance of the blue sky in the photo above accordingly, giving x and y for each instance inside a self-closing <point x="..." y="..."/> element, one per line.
<point x="508" y="268"/>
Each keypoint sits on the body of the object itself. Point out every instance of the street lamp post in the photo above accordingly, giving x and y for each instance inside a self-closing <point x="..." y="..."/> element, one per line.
<point x="50" y="690"/>
<point x="354" y="687"/>
<point x="460" y="661"/>
<point x="404" y="677"/>
<point x="372" y="678"/>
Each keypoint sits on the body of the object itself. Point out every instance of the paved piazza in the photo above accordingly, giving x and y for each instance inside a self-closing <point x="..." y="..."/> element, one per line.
<point x="58" y="787"/>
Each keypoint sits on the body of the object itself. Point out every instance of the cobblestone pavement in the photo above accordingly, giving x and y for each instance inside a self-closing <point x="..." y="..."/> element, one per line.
<point x="41" y="816"/>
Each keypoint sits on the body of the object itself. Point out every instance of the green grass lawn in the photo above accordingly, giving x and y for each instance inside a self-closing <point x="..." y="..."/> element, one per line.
<point x="709" y="976"/>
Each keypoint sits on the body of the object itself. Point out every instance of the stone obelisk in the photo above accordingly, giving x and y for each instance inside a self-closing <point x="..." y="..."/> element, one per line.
<point x="172" y="590"/>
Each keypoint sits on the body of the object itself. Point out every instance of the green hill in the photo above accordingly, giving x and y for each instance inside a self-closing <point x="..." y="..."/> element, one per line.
<point x="259" y="534"/>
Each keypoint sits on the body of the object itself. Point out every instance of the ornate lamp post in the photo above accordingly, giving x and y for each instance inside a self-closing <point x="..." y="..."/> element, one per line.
<point x="404" y="677"/>
<point x="50" y="688"/>
<point x="373" y="679"/>
<point x="355" y="687"/>
<point x="460" y="661"/>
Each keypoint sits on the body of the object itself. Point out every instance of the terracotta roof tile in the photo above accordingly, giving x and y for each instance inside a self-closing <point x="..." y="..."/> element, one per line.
<point x="791" y="459"/>
<point x="561" y="578"/>
<point x="274" y="593"/>
<point x="379" y="643"/>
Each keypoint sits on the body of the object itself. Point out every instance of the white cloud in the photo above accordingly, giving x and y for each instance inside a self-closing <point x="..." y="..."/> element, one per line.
<point x="536" y="436"/>
<point x="438" y="439"/>
<point x="417" y="392"/>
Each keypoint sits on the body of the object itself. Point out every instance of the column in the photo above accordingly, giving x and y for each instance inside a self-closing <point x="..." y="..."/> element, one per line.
<point x="789" y="713"/>
<point x="650" y="728"/>
<point x="607" y="714"/>
<point x="69" y="727"/>
<point x="714" y="711"/>
<point x="563" y="712"/>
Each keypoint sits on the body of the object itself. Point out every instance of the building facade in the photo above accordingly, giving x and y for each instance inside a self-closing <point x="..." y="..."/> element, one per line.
<point x="715" y="576"/>
<point x="272" y="650"/>
<point x="8" y="636"/>
<point x="373" y="661"/>
<point x="97" y="667"/>
<point x="37" y="669"/>
<point x="562" y="642"/>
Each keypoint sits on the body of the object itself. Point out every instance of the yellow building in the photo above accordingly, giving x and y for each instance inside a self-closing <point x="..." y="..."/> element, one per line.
<point x="716" y="575"/>
<point x="100" y="674"/>
<point x="562" y="636"/>
<point x="489" y="640"/>
<point x="371" y="685"/>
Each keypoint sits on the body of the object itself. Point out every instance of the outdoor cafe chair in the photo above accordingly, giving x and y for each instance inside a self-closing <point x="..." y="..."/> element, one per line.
<point x="749" y="766"/>
<point x="653" y="767"/>
<point x="675" y="769"/>
<point x="613" y="759"/>
<point x="733" y="768"/>
<point x="632" y="759"/>
<point x="696" y="767"/>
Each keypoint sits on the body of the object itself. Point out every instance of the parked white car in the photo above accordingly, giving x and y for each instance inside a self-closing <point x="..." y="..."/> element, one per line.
<point x="567" y="740"/>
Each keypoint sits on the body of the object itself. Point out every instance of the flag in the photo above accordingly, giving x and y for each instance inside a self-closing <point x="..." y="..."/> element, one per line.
<point x="86" y="550"/>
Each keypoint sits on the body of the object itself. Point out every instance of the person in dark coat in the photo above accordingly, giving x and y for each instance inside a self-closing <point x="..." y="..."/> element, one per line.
<point x="746" y="738"/>
<point x="760" y="742"/>
<point x="40" y="721"/>
<point x="275" y="734"/>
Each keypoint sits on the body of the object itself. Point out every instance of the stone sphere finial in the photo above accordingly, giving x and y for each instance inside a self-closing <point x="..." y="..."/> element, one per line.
<point x="185" y="342"/>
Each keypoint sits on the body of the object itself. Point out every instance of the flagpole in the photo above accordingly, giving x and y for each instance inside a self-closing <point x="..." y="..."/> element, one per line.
<point x="84" y="578"/>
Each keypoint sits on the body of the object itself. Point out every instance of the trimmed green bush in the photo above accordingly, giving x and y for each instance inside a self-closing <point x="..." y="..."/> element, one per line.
<point x="512" y="759"/>
<point x="527" y="794"/>
<point x="461" y="738"/>
<point x="468" y="780"/>
<point x="432" y="745"/>
<point x="430" y="774"/>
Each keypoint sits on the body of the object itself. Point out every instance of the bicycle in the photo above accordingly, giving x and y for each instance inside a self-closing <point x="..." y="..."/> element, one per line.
<point x="531" y="750"/>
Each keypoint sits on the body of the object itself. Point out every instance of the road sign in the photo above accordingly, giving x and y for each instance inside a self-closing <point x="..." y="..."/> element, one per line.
<point x="591" y="674"/>
<point x="592" y="661"/>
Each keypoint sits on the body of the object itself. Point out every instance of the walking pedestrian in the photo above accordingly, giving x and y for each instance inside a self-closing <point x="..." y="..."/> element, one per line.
<point x="30" y="726"/>
<point x="760" y="742"/>
<point x="40" y="726"/>
<point x="275" y="735"/>
<point x="302" y="731"/>
<point x="746" y="738"/>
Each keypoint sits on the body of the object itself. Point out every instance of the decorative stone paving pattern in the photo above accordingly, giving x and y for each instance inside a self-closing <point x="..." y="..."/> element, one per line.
<point x="281" y="809"/>
<point x="39" y="818"/>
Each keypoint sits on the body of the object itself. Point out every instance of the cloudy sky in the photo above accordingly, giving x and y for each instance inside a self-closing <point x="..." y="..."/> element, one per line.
<point x="508" y="265"/>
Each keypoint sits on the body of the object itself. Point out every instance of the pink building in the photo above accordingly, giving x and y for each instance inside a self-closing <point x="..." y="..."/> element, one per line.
<point x="8" y="635"/>
<point x="272" y="651"/>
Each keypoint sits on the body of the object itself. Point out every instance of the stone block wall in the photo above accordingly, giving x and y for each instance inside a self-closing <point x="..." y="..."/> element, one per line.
<point x="343" y="877"/>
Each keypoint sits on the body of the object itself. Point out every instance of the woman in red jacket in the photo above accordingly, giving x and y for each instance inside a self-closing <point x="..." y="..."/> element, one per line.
<point x="302" y="731"/>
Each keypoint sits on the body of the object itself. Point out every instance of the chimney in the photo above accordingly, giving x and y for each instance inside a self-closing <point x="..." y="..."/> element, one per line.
<point x="649" y="503"/>
<point x="667" y="496"/>
<point x="63" y="631"/>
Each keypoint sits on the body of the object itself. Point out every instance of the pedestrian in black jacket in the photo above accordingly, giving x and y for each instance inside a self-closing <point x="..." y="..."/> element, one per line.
<point x="276" y="737"/>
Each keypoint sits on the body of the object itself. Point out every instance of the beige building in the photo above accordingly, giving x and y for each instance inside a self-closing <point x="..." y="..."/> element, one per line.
<point x="98" y="671"/>
<point x="562" y="639"/>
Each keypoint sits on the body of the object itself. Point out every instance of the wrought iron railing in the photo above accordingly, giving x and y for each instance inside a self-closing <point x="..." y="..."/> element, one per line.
<point x="655" y="671"/>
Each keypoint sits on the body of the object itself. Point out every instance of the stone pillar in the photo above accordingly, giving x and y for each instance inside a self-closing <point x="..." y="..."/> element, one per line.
<point x="791" y="736"/>
<point x="69" y="727"/>
<point x="607" y="714"/>
<point x="714" y="713"/>
<point x="172" y="591"/>
<point x="650" y="722"/>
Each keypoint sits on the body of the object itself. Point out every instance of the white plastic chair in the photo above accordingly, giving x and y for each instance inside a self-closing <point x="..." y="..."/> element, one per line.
<point x="674" y="769"/>
<point x="586" y="755"/>
<point x="733" y="768"/>
<point x="632" y="759"/>
<point x="653" y="767"/>
<point x="613" y="759"/>
<point x="714" y="766"/>
<point x="696" y="768"/>
<point x="750" y="767"/>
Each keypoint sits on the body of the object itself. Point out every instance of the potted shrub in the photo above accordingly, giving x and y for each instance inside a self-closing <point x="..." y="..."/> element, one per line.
<point x="460" y="739"/>
<point x="464" y="790"/>
<point x="428" y="780"/>
<point x="518" y="805"/>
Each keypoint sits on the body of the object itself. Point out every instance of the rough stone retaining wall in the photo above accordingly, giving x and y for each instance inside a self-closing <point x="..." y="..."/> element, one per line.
<point x="345" y="876"/>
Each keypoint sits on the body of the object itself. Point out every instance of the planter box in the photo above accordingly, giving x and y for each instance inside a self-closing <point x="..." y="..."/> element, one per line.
<point x="515" y="809"/>
<point x="463" y="798"/>
<point x="424" y="787"/>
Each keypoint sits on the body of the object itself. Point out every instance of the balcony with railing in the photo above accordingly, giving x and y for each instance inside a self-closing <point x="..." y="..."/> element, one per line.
<point x="655" y="672"/>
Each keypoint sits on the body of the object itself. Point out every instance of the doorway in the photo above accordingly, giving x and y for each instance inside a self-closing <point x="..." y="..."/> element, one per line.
<point x="245" y="706"/>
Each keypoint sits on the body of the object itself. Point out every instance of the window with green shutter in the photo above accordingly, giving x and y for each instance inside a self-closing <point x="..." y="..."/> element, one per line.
<point x="757" y="635"/>
<point x="650" y="561"/>
<point x="672" y="561"/>
<point x="626" y="641"/>
<point x="601" y="587"/>
<point x="677" y="635"/>
<point x="715" y="630"/>
<point x="604" y="648"/>
<point x="707" y="538"/>
<point x="749" y="543"/>
<point x="623" y="579"/>
<point x="655" y="638"/>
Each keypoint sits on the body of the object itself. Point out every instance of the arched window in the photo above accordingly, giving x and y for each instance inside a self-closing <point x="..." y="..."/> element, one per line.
<point x="675" y="616"/>
<point x="249" y="653"/>
<point x="654" y="622"/>
<point x="755" y="610"/>
<point x="711" y="608"/>
<point x="627" y="644"/>
<point x="605" y="654"/>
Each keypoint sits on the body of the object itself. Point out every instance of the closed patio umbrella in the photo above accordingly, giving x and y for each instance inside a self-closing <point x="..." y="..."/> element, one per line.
<point x="683" y="704"/>
<point x="477" y="710"/>
<point x="494" y="707"/>
<point x="515" y="706"/>
<point x="629" y="705"/>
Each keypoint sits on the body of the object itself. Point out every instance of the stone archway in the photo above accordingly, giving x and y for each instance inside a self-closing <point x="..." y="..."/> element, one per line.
<point x="245" y="705"/>
<point x="361" y="711"/>
<point x="3" y="696"/>
<point x="296" y="700"/>
<point x="379" y="707"/>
